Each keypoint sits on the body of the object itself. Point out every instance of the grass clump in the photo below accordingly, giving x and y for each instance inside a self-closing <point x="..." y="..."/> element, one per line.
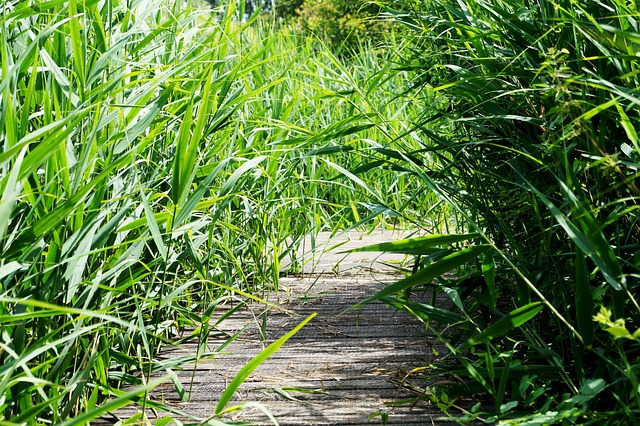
<point x="157" y="162"/>
<point x="118" y="197"/>
<point x="528" y="137"/>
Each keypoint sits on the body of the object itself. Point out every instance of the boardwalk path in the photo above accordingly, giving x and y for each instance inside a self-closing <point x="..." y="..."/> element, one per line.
<point x="338" y="370"/>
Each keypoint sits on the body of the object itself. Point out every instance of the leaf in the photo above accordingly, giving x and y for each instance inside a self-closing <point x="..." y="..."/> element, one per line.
<point x="618" y="331"/>
<point x="489" y="274"/>
<point x="584" y="300"/>
<point x="153" y="226"/>
<point x="420" y="245"/>
<point x="401" y="156"/>
<point x="436" y="269"/>
<point x="233" y="180"/>
<point x="593" y="387"/>
<point x="505" y="408"/>
<point x="12" y="189"/>
<point x="185" y="158"/>
<point x="626" y="124"/>
<point x="380" y="209"/>
<point x="594" y="245"/>
<point x="244" y="373"/>
<point x="428" y="312"/>
<point x="353" y="178"/>
<point x="330" y="149"/>
<point x="10" y="268"/>
<point x="513" y="319"/>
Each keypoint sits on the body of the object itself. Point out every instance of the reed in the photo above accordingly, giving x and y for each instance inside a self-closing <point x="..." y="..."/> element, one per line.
<point x="158" y="161"/>
<point x="528" y="135"/>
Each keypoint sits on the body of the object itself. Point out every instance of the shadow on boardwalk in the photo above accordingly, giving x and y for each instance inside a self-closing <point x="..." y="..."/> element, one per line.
<point x="337" y="370"/>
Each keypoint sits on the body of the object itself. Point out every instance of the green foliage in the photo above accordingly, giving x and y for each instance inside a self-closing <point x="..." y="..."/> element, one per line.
<point x="344" y="25"/>
<point x="528" y="137"/>
<point x="128" y="193"/>
<point x="157" y="163"/>
<point x="288" y="8"/>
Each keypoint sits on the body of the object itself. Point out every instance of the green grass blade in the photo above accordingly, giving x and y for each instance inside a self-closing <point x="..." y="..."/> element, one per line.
<point x="428" y="312"/>
<point x="602" y="256"/>
<point x="584" y="300"/>
<point x="513" y="319"/>
<point x="244" y="373"/>
<point x="114" y="404"/>
<point x="10" y="193"/>
<point x="185" y="156"/>
<point x="419" y="245"/>
<point x="153" y="226"/>
<point x="231" y="183"/>
<point x="489" y="274"/>
<point x="446" y="264"/>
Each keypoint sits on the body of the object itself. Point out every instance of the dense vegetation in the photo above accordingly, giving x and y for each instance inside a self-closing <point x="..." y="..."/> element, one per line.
<point x="160" y="159"/>
<point x="531" y="137"/>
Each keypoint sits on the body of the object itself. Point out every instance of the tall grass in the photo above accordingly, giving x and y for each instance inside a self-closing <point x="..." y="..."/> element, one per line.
<point x="157" y="162"/>
<point x="528" y="135"/>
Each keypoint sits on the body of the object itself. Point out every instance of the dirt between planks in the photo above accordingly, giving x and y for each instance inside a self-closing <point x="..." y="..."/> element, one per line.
<point x="340" y="369"/>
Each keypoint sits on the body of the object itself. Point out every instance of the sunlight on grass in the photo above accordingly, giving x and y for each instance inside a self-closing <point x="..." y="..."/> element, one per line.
<point x="161" y="159"/>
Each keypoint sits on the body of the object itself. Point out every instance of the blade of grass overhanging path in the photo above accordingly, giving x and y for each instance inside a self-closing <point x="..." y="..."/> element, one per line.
<point x="428" y="273"/>
<point x="247" y="295"/>
<point x="428" y="312"/>
<point x="254" y="363"/>
<point x="417" y="245"/>
<point x="513" y="319"/>
<point x="584" y="300"/>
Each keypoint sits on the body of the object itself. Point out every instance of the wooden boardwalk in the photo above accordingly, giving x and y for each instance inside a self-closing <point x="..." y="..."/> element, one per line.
<point x="338" y="370"/>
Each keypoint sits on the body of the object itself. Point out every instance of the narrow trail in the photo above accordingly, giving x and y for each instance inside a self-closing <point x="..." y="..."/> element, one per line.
<point x="344" y="369"/>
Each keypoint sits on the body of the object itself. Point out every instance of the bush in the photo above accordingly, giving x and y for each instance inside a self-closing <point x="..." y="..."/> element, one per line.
<point x="344" y="25"/>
